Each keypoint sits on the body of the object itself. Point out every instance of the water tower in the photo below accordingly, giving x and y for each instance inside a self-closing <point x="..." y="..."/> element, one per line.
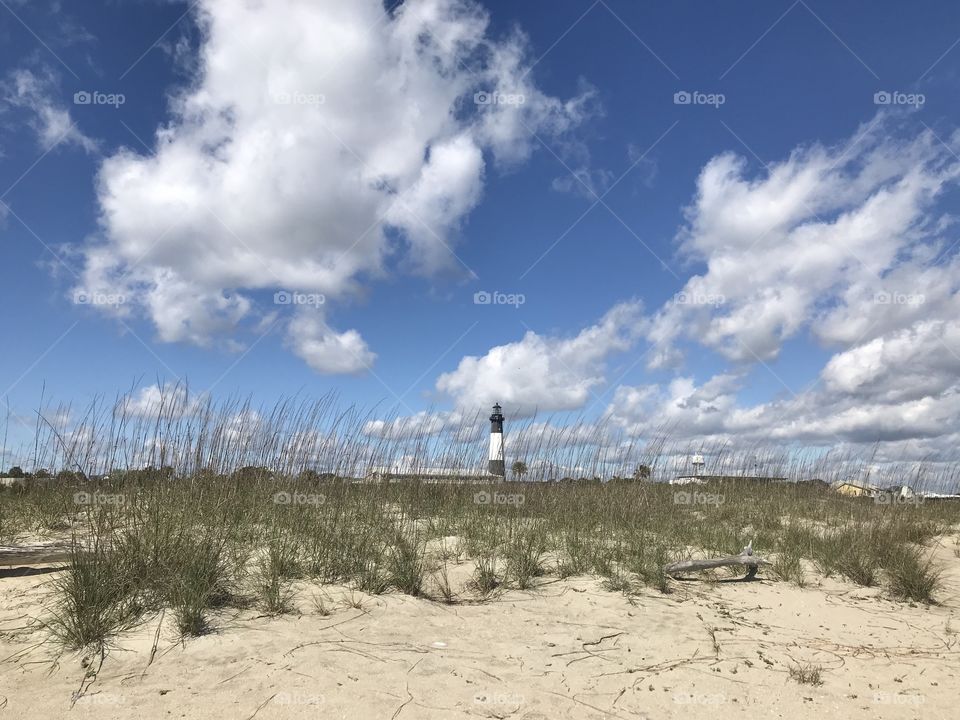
<point x="697" y="461"/>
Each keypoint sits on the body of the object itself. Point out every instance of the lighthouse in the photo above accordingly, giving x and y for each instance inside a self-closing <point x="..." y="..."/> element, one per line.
<point x="496" y="465"/>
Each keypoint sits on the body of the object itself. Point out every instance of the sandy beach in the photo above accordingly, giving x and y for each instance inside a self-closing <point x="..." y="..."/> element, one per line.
<point x="566" y="649"/>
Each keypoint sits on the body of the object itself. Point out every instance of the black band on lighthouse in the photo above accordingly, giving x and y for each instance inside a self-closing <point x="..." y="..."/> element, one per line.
<point x="496" y="465"/>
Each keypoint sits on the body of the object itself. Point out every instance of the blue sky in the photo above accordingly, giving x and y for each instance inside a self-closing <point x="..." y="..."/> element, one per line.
<point x="593" y="198"/>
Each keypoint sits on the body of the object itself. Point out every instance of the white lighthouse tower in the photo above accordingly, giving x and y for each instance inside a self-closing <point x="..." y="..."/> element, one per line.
<point x="496" y="465"/>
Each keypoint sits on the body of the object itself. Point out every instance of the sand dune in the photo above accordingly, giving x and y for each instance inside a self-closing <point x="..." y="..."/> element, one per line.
<point x="568" y="649"/>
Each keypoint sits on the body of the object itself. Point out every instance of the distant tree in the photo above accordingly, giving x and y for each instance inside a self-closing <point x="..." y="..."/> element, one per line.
<point x="642" y="472"/>
<point x="15" y="472"/>
<point x="67" y="476"/>
<point x="309" y="476"/>
<point x="42" y="474"/>
<point x="519" y="469"/>
<point x="252" y="473"/>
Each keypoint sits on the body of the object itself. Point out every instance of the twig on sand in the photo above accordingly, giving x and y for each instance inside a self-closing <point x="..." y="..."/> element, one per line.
<point x="156" y="641"/>
<point x="89" y="678"/>
<point x="403" y="704"/>
<point x="261" y="706"/>
<point x="586" y="704"/>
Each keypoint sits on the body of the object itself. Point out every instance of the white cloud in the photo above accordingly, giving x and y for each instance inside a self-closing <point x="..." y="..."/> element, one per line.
<point x="35" y="92"/>
<point x="166" y="401"/>
<point x="848" y="244"/>
<point x="326" y="350"/>
<point x="807" y="245"/>
<point x="544" y="373"/>
<point x="315" y="134"/>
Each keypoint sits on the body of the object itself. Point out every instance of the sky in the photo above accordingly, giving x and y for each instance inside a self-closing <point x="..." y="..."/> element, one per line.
<point x="730" y="221"/>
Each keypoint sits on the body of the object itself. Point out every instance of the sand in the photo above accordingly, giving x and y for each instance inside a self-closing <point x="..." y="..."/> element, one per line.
<point x="568" y="649"/>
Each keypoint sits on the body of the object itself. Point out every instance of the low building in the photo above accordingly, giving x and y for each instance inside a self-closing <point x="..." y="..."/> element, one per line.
<point x="431" y="475"/>
<point x="688" y="480"/>
<point x="903" y="492"/>
<point x="703" y="479"/>
<point x="852" y="489"/>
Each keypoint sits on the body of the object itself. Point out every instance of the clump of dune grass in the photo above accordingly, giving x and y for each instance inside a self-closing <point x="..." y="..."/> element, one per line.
<point x="197" y="583"/>
<point x="272" y="578"/>
<point x="442" y="583"/>
<point x="859" y="565"/>
<point x="406" y="564"/>
<point x="321" y="604"/>
<point x="788" y="566"/>
<point x="914" y="577"/>
<point x="524" y="556"/>
<point x="485" y="579"/>
<point x="619" y="582"/>
<point x="96" y="599"/>
<point x="807" y="674"/>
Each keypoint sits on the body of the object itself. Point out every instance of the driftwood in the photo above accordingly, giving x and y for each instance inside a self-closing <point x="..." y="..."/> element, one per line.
<point x="746" y="557"/>
<point x="33" y="554"/>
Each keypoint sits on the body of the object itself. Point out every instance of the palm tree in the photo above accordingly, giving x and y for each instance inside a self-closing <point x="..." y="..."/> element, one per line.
<point x="519" y="469"/>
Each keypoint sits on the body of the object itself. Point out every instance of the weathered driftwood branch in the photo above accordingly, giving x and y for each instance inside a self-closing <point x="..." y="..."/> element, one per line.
<point x="33" y="554"/>
<point x="746" y="557"/>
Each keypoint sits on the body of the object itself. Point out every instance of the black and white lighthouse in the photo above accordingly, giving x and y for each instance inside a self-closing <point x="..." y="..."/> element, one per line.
<point x="496" y="465"/>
